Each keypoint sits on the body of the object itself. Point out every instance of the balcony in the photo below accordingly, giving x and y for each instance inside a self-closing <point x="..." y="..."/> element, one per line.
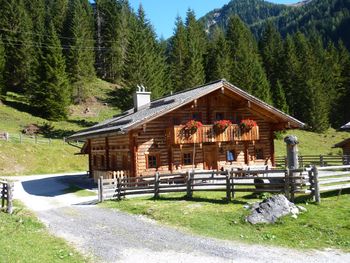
<point x="179" y="135"/>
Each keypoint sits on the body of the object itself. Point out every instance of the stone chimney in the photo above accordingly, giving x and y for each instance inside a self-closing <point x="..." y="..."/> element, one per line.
<point x="141" y="97"/>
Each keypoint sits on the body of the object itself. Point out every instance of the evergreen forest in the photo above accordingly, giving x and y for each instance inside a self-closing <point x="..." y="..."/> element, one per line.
<point x="50" y="48"/>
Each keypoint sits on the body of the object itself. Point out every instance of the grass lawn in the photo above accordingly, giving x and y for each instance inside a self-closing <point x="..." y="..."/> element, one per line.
<point x="208" y="214"/>
<point x="24" y="239"/>
<point x="311" y="143"/>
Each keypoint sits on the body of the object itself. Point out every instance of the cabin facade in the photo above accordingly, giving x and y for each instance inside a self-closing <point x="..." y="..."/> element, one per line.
<point x="156" y="136"/>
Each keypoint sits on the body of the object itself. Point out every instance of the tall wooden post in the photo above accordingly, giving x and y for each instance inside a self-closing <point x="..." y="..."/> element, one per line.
<point x="10" y="187"/>
<point x="189" y="184"/>
<point x="317" y="195"/>
<point x="292" y="163"/>
<point x="156" y="185"/>
<point x="228" y="186"/>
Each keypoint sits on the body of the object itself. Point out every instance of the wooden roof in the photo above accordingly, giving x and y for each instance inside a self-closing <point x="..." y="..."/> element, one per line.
<point x="132" y="119"/>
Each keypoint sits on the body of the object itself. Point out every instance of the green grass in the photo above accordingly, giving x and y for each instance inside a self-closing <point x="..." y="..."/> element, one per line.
<point x="79" y="191"/>
<point x="311" y="143"/>
<point x="24" y="239"/>
<point x="30" y="158"/>
<point x="208" y="214"/>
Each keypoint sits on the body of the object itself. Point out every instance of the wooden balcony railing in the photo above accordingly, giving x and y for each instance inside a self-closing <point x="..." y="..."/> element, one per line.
<point x="179" y="135"/>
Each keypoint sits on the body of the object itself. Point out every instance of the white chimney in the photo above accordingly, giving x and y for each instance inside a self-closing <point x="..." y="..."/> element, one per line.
<point x="141" y="97"/>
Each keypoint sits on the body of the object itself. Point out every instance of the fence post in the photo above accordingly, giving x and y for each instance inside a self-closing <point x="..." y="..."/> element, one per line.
<point x="156" y="185"/>
<point x="232" y="184"/>
<point x="189" y="184"/>
<point x="292" y="183"/>
<point x="286" y="184"/>
<point x="119" y="187"/>
<point x="100" y="189"/>
<point x="321" y="161"/>
<point x="228" y="186"/>
<point x="317" y="196"/>
<point x="312" y="186"/>
<point x="3" y="192"/>
<point x="9" y="198"/>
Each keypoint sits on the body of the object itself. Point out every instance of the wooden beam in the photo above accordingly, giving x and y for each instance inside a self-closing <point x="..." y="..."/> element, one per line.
<point x="91" y="175"/>
<point x="272" y="147"/>
<point x="133" y="153"/>
<point x="107" y="153"/>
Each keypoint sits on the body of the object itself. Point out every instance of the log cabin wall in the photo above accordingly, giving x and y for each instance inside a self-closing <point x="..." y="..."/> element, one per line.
<point x="346" y="149"/>
<point x="152" y="138"/>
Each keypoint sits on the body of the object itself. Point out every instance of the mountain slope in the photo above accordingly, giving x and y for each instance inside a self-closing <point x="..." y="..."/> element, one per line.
<point x="329" y="18"/>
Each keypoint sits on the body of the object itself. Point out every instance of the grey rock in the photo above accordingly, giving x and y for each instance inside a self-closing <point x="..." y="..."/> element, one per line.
<point x="269" y="210"/>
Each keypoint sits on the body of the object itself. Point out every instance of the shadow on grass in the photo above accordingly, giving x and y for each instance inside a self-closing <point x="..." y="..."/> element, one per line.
<point x="21" y="106"/>
<point x="83" y="123"/>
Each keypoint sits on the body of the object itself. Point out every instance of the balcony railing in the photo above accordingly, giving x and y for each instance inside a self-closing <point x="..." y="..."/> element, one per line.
<point x="179" y="135"/>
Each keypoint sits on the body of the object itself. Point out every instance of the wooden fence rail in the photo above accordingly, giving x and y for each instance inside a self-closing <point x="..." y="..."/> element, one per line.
<point x="319" y="160"/>
<point x="287" y="182"/>
<point x="6" y="194"/>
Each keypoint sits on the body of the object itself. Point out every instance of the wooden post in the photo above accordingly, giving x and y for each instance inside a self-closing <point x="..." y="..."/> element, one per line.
<point x="291" y="187"/>
<point x="156" y="185"/>
<point x="228" y="186"/>
<point x="9" y="200"/>
<point x="312" y="186"/>
<point x="322" y="161"/>
<point x="3" y="192"/>
<point x="100" y="189"/>
<point x="119" y="187"/>
<point x="317" y="196"/>
<point x="232" y="184"/>
<point x="7" y="136"/>
<point x="189" y="184"/>
<point x="286" y="184"/>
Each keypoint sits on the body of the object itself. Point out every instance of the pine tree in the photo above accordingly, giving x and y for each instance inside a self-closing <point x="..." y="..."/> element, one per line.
<point x="145" y="64"/>
<point x="2" y="67"/>
<point x="247" y="71"/>
<point x="80" y="56"/>
<point x="196" y="41"/>
<point x="57" y="11"/>
<point x="342" y="102"/>
<point x="280" y="100"/>
<point x="178" y="55"/>
<point x="17" y="36"/>
<point x="218" y="61"/>
<point x="52" y="96"/>
<point x="112" y="33"/>
<point x="271" y="50"/>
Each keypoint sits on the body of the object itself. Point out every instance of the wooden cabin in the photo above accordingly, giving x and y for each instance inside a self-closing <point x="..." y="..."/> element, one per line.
<point x="154" y="136"/>
<point x="345" y="145"/>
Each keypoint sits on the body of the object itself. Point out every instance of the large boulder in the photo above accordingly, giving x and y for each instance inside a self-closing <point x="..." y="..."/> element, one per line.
<point x="269" y="210"/>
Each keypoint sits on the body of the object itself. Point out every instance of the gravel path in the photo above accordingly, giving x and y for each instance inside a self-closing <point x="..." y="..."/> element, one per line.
<point x="113" y="236"/>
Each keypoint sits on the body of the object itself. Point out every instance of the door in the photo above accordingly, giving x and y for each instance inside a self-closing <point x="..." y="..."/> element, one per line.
<point x="210" y="157"/>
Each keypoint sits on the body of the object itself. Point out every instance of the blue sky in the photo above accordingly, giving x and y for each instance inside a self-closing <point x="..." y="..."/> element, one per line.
<point x="162" y="14"/>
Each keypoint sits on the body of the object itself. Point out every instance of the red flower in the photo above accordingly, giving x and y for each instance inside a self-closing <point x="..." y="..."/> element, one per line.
<point x="193" y="125"/>
<point x="222" y="125"/>
<point x="247" y="124"/>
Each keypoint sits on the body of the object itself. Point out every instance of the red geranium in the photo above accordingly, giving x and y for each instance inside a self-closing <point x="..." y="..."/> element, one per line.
<point x="193" y="125"/>
<point x="247" y="124"/>
<point x="222" y="125"/>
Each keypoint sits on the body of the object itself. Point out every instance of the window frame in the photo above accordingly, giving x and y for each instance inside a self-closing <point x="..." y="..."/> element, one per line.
<point x="258" y="150"/>
<point x="190" y="158"/>
<point x="234" y="155"/>
<point x="157" y="160"/>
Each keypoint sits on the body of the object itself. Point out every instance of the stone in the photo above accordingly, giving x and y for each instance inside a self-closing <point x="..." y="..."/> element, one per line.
<point x="269" y="210"/>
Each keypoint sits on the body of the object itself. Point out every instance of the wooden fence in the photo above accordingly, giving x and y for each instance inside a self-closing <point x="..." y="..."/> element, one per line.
<point x="6" y="194"/>
<point x="311" y="181"/>
<point x="329" y="178"/>
<point x="319" y="160"/>
<point x="287" y="182"/>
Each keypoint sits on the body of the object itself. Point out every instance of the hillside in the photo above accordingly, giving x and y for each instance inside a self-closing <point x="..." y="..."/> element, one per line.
<point x="29" y="157"/>
<point x="329" y="18"/>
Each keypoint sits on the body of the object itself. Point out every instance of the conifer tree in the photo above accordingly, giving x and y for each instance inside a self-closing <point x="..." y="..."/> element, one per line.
<point x="57" y="11"/>
<point x="343" y="99"/>
<point x="178" y="55"/>
<point x="145" y="63"/>
<point x="280" y="100"/>
<point x="112" y="34"/>
<point x="271" y="50"/>
<point x="16" y="31"/>
<point x="52" y="96"/>
<point x="218" y="61"/>
<point x="2" y="67"/>
<point x="247" y="71"/>
<point x="80" y="56"/>
<point x="196" y="41"/>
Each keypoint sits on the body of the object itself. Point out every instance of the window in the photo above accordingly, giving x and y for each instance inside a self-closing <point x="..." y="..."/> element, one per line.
<point x="197" y="116"/>
<point x="230" y="156"/>
<point x="259" y="154"/>
<point x="176" y="121"/>
<point x="187" y="159"/>
<point x="152" y="161"/>
<point x="219" y="116"/>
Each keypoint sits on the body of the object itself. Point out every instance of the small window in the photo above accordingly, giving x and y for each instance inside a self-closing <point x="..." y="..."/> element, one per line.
<point x="187" y="159"/>
<point x="176" y="121"/>
<point x="259" y="154"/>
<point x="197" y="116"/>
<point x="219" y="116"/>
<point x="230" y="156"/>
<point x="152" y="161"/>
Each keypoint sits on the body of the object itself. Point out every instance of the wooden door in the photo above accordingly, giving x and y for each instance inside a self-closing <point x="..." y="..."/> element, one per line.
<point x="210" y="158"/>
